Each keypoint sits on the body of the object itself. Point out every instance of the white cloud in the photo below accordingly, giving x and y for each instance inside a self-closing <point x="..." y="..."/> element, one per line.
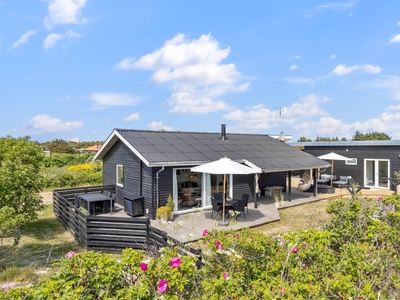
<point x="194" y="69"/>
<point x="258" y="117"/>
<point x="300" y="80"/>
<point x="398" y="23"/>
<point x="334" y="6"/>
<point x="394" y="107"/>
<point x="132" y="117"/>
<point x="343" y="69"/>
<point x="389" y="82"/>
<point x="159" y="126"/>
<point x="64" y="12"/>
<point x="293" y="67"/>
<point x="188" y="103"/>
<point x="53" y="38"/>
<point x="395" y="39"/>
<point x="23" y="39"/>
<point x="45" y="123"/>
<point x="125" y="64"/>
<point x="103" y="100"/>
<point x="76" y="140"/>
<point x="333" y="56"/>
<point x="297" y="57"/>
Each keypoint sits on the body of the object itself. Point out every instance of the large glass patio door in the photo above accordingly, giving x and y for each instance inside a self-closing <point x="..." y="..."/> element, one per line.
<point x="376" y="173"/>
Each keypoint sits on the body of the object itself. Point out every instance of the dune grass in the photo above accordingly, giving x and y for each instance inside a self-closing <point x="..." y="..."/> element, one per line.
<point x="43" y="242"/>
<point x="308" y="215"/>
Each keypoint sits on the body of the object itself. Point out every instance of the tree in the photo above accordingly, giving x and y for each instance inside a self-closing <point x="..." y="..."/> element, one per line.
<point x="304" y="139"/>
<point x="370" y="136"/>
<point x="20" y="182"/>
<point x="59" y="146"/>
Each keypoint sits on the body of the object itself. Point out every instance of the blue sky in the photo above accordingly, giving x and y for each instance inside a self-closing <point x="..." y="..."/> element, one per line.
<point x="77" y="69"/>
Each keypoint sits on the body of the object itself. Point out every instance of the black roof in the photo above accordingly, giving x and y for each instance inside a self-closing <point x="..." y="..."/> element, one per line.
<point x="174" y="148"/>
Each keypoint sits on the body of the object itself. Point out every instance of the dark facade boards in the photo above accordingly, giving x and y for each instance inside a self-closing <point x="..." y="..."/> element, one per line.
<point x="150" y="159"/>
<point x="370" y="164"/>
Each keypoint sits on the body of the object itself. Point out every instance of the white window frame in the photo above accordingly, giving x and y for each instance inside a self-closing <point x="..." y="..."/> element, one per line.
<point x="117" y="179"/>
<point x="351" y="161"/>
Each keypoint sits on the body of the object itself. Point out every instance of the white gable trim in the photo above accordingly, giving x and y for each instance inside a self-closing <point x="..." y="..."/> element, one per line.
<point x="111" y="141"/>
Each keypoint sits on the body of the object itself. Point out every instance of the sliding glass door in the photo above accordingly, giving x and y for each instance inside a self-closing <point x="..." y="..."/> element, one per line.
<point x="376" y="173"/>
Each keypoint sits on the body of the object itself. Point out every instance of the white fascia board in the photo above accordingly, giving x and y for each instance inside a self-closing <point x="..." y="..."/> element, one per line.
<point x="104" y="146"/>
<point x="133" y="149"/>
<point x="253" y="166"/>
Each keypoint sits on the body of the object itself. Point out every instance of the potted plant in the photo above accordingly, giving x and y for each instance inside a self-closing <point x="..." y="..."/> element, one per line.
<point x="277" y="198"/>
<point x="163" y="213"/>
<point x="171" y="205"/>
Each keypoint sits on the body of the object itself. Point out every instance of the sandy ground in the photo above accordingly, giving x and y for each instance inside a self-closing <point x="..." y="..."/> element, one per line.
<point x="47" y="197"/>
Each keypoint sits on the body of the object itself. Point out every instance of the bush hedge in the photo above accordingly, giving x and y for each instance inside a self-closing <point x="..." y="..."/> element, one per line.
<point x="355" y="256"/>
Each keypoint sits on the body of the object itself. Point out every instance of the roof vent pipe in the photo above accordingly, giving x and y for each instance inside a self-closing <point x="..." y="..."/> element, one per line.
<point x="223" y="132"/>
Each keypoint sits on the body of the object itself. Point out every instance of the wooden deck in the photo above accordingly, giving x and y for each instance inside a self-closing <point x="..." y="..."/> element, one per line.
<point x="189" y="227"/>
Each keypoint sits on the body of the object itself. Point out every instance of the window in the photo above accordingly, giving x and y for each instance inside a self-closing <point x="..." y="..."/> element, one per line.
<point x="120" y="175"/>
<point x="351" y="161"/>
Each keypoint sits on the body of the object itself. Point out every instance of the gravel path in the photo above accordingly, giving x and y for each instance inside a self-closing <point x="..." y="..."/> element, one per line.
<point x="47" y="197"/>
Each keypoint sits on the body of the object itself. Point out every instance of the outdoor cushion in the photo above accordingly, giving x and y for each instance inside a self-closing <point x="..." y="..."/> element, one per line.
<point x="344" y="178"/>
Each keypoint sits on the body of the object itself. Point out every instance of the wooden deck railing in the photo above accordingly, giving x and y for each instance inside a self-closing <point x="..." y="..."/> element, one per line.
<point x="109" y="233"/>
<point x="104" y="233"/>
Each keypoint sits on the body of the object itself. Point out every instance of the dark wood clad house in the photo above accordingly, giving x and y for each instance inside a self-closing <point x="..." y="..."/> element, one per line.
<point x="156" y="164"/>
<point x="370" y="163"/>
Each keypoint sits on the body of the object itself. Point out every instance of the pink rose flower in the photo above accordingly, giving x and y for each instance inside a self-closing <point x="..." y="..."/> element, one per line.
<point x="226" y="275"/>
<point x="237" y="235"/>
<point x="295" y="249"/>
<point x="69" y="254"/>
<point x="175" y="262"/>
<point x="282" y="289"/>
<point x="205" y="232"/>
<point x="218" y="245"/>
<point x="379" y="198"/>
<point x="143" y="266"/>
<point x="162" y="286"/>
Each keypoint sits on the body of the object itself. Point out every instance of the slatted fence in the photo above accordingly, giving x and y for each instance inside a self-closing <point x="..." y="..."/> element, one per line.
<point x="109" y="233"/>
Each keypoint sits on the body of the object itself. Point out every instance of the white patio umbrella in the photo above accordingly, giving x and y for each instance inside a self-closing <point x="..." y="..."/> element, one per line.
<point x="224" y="166"/>
<point x="332" y="156"/>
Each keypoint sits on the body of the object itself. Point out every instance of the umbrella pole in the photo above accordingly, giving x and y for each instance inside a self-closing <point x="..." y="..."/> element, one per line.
<point x="223" y="222"/>
<point x="223" y="201"/>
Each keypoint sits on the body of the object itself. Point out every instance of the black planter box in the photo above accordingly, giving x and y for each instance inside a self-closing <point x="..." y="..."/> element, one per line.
<point x="134" y="206"/>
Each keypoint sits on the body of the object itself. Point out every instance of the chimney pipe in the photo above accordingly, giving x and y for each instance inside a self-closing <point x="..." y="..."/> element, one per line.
<point x="223" y="132"/>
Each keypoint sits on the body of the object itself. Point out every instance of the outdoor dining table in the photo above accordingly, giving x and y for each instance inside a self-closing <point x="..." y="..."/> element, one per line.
<point x="96" y="197"/>
<point x="229" y="204"/>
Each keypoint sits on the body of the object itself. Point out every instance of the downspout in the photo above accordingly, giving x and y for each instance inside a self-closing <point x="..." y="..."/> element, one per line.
<point x="157" y="188"/>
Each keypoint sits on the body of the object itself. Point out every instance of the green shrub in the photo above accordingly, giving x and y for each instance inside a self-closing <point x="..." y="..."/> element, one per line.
<point x="356" y="256"/>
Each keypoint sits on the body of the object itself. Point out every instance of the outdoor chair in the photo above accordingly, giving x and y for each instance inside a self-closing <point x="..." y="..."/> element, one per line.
<point x="218" y="197"/>
<point x="240" y="207"/>
<point x="215" y="207"/>
<point x="113" y="197"/>
<point x="76" y="200"/>
<point x="246" y="198"/>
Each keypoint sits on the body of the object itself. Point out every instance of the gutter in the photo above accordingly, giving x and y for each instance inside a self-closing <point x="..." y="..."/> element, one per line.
<point x="157" y="188"/>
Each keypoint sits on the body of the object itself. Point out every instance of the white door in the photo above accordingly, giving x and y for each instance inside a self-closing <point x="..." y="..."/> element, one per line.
<point x="376" y="173"/>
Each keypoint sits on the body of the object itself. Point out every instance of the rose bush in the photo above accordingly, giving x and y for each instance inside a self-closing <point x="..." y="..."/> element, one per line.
<point x="354" y="256"/>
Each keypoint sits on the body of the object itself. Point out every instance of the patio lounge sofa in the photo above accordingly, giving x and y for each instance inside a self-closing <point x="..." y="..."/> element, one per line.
<point x="343" y="180"/>
<point x="325" y="178"/>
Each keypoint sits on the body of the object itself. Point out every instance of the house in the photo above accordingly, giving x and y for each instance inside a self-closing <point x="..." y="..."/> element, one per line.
<point x="156" y="164"/>
<point x="370" y="163"/>
<point x="92" y="149"/>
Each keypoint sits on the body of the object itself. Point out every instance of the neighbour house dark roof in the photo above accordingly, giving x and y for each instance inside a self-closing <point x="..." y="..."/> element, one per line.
<point x="348" y="143"/>
<point x="174" y="148"/>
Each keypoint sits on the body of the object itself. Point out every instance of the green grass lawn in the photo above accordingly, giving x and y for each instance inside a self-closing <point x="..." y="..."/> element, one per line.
<point x="308" y="215"/>
<point x="43" y="242"/>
